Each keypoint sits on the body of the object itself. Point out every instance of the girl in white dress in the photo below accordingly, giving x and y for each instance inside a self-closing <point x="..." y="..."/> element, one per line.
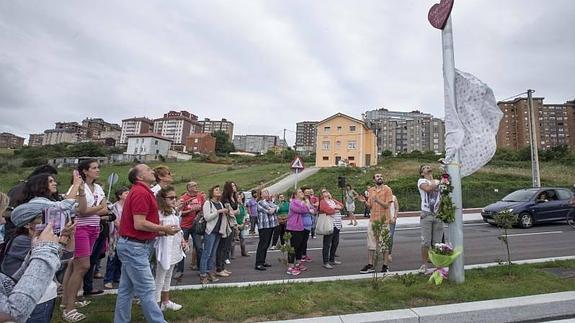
<point x="170" y="250"/>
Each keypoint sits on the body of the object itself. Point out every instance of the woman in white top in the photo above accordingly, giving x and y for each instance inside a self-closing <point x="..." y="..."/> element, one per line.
<point x="87" y="231"/>
<point x="169" y="249"/>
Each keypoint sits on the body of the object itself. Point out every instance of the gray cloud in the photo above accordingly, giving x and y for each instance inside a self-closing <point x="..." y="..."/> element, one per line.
<point x="266" y="64"/>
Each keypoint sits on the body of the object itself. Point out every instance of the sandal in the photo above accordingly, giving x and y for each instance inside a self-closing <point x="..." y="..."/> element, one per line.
<point x="78" y="304"/>
<point x="73" y="316"/>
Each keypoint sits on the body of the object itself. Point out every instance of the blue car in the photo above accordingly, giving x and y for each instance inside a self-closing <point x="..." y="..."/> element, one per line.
<point x="532" y="205"/>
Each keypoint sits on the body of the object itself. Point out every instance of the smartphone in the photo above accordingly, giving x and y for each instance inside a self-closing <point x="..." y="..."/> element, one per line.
<point x="76" y="173"/>
<point x="54" y="216"/>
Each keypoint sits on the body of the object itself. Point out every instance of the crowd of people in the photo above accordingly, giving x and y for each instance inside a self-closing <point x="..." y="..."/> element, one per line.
<point x="150" y="232"/>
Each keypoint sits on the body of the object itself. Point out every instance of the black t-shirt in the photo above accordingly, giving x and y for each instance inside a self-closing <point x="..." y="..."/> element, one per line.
<point x="218" y="206"/>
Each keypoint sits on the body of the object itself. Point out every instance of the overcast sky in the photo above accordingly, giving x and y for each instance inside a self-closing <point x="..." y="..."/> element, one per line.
<point x="268" y="64"/>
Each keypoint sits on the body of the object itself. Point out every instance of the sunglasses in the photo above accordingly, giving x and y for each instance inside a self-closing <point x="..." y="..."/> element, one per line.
<point x="170" y="197"/>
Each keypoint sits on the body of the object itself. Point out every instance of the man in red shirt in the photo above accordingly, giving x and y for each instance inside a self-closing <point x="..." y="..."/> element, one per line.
<point x="139" y="227"/>
<point x="193" y="201"/>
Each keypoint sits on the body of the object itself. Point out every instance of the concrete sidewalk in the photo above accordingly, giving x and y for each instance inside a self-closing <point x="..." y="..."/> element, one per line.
<point x="515" y="309"/>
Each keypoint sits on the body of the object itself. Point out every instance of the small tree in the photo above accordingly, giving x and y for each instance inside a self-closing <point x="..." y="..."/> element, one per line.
<point x="384" y="242"/>
<point x="505" y="220"/>
<point x="286" y="249"/>
<point x="223" y="144"/>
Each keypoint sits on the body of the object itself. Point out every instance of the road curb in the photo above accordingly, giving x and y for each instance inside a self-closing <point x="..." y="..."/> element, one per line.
<point x="515" y="309"/>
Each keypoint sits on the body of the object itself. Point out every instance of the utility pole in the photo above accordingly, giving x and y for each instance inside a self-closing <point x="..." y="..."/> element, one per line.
<point x="533" y="140"/>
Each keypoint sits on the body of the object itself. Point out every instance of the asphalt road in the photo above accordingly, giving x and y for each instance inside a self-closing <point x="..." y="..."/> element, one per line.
<point x="481" y="246"/>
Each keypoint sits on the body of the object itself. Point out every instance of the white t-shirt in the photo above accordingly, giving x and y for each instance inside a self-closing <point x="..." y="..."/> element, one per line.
<point x="429" y="201"/>
<point x="92" y="199"/>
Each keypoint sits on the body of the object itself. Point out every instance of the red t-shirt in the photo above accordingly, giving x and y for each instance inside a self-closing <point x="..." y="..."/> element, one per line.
<point x="190" y="201"/>
<point x="140" y="200"/>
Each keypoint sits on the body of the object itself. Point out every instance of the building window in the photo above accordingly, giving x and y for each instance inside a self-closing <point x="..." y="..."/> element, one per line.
<point x="352" y="128"/>
<point x="157" y="151"/>
<point x="351" y="144"/>
<point x="196" y="140"/>
<point x="338" y="128"/>
<point x="156" y="142"/>
<point x="338" y="144"/>
<point x="350" y="158"/>
<point x="325" y="145"/>
<point x="326" y="129"/>
<point x="325" y="158"/>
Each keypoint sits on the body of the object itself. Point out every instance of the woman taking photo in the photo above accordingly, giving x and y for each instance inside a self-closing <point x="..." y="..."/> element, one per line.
<point x="87" y="231"/>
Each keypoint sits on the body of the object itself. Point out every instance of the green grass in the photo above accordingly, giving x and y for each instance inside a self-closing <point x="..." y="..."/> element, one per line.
<point x="289" y="301"/>
<point x="206" y="174"/>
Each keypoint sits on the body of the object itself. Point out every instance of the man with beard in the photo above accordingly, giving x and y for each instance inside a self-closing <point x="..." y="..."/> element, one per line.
<point x="431" y="226"/>
<point x="379" y="201"/>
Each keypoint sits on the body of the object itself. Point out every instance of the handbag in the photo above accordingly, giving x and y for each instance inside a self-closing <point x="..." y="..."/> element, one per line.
<point x="199" y="225"/>
<point x="324" y="225"/>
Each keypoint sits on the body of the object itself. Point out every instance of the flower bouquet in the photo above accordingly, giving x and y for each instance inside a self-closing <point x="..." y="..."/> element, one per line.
<point x="442" y="255"/>
<point x="446" y="211"/>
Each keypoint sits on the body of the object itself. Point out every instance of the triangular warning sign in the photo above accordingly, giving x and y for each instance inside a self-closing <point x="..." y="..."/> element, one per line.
<point x="297" y="163"/>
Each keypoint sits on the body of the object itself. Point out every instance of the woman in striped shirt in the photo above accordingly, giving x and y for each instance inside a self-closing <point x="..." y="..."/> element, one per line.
<point x="330" y="207"/>
<point x="87" y="231"/>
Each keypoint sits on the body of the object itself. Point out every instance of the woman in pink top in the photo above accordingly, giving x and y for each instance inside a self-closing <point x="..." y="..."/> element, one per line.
<point x="297" y="209"/>
<point x="87" y="231"/>
<point x="330" y="207"/>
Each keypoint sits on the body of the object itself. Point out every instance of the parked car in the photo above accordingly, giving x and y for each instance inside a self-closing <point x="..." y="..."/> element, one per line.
<point x="532" y="205"/>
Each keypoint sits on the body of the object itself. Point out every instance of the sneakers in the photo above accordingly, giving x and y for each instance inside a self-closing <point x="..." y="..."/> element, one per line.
<point x="108" y="285"/>
<point x="367" y="269"/>
<point x="178" y="275"/>
<point x="204" y="279"/>
<point x="422" y="269"/>
<point x="384" y="269"/>
<point x="273" y="248"/>
<point x="301" y="267"/>
<point x="294" y="271"/>
<point x="306" y="259"/>
<point x="213" y="278"/>
<point x="170" y="306"/>
<point x="327" y="266"/>
<point x="222" y="273"/>
<point x="228" y="262"/>
<point x="335" y="262"/>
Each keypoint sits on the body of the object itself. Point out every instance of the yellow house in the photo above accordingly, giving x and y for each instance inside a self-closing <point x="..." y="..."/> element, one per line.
<point x="343" y="140"/>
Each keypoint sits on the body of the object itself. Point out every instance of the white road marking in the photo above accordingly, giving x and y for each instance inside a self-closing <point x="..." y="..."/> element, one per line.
<point x="534" y="233"/>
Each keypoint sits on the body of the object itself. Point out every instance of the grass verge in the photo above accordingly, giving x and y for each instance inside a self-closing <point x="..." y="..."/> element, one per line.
<point x="300" y="300"/>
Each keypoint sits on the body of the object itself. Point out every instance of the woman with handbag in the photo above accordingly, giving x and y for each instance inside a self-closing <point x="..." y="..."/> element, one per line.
<point x="213" y="213"/>
<point x="331" y="208"/>
<point x="294" y="225"/>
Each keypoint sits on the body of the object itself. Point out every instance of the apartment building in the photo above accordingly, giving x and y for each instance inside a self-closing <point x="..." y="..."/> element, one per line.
<point x="209" y="126"/>
<point x="554" y="124"/>
<point x="35" y="139"/>
<point x="255" y="143"/>
<point x="343" y="140"/>
<point x="58" y="136"/>
<point x="404" y="132"/>
<point x="97" y="128"/>
<point x="305" y="138"/>
<point x="201" y="143"/>
<point x="135" y="126"/>
<point x="9" y="140"/>
<point x="177" y="126"/>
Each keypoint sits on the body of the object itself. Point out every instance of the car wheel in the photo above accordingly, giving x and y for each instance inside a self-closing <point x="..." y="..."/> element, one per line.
<point x="525" y="220"/>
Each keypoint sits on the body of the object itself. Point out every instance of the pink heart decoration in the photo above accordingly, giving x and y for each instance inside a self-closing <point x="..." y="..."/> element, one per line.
<point x="439" y="13"/>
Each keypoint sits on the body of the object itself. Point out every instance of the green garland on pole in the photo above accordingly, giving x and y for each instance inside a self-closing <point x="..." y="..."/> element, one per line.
<point x="446" y="212"/>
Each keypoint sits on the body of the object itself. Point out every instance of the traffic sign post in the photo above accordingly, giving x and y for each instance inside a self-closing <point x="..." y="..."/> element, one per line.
<point x="297" y="166"/>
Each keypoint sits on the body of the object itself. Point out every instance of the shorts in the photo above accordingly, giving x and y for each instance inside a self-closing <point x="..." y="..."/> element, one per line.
<point x="350" y="207"/>
<point x="85" y="238"/>
<point x="431" y="229"/>
<point x="372" y="240"/>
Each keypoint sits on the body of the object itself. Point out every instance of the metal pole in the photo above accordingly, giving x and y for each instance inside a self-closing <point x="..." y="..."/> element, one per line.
<point x="456" y="270"/>
<point x="533" y="140"/>
<point x="296" y="175"/>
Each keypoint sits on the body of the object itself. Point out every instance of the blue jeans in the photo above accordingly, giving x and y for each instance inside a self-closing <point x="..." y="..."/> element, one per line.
<point x="42" y="312"/>
<point x="197" y="243"/>
<point x="113" y="269"/>
<point x="211" y="242"/>
<point x="136" y="280"/>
